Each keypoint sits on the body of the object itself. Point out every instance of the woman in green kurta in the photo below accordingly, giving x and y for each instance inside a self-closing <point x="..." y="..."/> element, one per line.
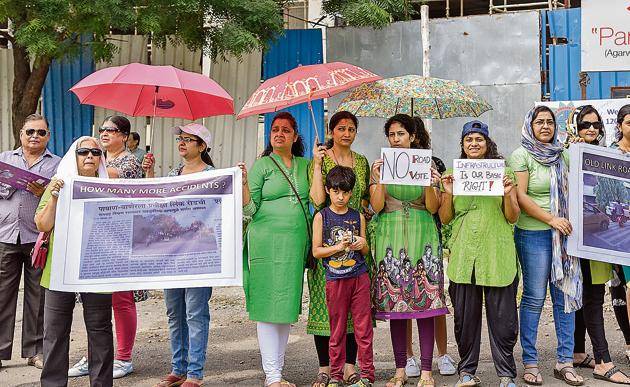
<point x="277" y="241"/>
<point x="343" y="129"/>
<point x="409" y="283"/>
<point x="482" y="264"/>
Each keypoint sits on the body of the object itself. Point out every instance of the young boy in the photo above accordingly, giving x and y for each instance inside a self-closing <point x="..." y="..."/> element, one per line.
<point x="339" y="239"/>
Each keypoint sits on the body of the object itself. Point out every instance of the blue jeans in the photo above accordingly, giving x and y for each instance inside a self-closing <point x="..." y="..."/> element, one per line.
<point x="534" y="250"/>
<point x="188" y="324"/>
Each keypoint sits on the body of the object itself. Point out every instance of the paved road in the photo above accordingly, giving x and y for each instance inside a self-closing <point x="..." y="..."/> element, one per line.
<point x="615" y="238"/>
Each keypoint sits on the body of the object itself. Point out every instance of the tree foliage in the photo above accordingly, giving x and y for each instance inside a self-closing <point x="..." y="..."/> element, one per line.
<point x="44" y="30"/>
<point x="369" y="13"/>
<point x="609" y="190"/>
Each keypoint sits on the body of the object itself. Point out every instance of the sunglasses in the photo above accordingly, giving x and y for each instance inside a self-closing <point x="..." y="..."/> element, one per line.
<point x="94" y="151"/>
<point x="185" y="139"/>
<point x="585" y="125"/>
<point x="108" y="129"/>
<point x="40" y="132"/>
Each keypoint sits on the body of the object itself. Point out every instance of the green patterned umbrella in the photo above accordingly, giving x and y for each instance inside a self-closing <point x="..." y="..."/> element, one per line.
<point x="425" y="97"/>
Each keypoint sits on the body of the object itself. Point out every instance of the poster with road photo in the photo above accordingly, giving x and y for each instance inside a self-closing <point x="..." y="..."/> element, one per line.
<point x="599" y="189"/>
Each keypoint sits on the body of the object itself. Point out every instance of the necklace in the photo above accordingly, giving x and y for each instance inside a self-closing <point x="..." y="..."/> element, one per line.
<point x="293" y="180"/>
<point x="337" y="161"/>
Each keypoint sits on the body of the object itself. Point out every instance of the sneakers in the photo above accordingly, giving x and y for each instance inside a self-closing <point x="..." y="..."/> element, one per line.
<point x="412" y="369"/>
<point x="79" y="369"/>
<point x="446" y="364"/>
<point x="36" y="361"/>
<point x="122" y="368"/>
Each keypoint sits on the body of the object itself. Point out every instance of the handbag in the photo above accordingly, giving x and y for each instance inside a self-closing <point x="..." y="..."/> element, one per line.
<point x="310" y="260"/>
<point x="39" y="253"/>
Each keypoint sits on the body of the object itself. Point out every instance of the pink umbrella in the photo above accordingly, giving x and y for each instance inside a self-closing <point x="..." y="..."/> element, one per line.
<point x="304" y="84"/>
<point x="143" y="90"/>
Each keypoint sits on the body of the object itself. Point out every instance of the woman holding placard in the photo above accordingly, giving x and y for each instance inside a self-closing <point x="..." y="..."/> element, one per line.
<point x="586" y="125"/>
<point x="541" y="168"/>
<point x="482" y="267"/>
<point x="343" y="130"/>
<point x="410" y="279"/>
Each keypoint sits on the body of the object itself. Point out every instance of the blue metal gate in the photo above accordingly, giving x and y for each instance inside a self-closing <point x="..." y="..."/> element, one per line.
<point x="297" y="47"/>
<point x="67" y="117"/>
<point x="564" y="60"/>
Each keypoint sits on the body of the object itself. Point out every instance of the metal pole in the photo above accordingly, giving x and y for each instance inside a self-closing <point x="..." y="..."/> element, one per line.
<point x="157" y="88"/>
<point x="426" y="51"/>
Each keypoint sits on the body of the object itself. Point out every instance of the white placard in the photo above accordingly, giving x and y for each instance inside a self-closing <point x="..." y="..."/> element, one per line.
<point x="175" y="232"/>
<point x="478" y="177"/>
<point x="607" y="108"/>
<point x="605" y="35"/>
<point x="406" y="166"/>
<point x="599" y="193"/>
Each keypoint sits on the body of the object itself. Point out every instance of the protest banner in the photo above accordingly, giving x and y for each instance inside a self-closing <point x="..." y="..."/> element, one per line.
<point x="605" y="37"/>
<point x="406" y="166"/>
<point x="599" y="192"/>
<point x="478" y="177"/>
<point x="607" y="108"/>
<point x="18" y="177"/>
<point x="176" y="232"/>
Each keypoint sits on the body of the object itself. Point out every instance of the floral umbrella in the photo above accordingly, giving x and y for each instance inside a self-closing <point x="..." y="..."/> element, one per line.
<point x="414" y="95"/>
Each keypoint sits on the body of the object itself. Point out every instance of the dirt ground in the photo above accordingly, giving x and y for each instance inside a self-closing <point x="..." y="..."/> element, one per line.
<point x="233" y="358"/>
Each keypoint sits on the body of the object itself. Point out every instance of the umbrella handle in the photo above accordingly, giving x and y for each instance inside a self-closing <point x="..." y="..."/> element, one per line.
<point x="157" y="88"/>
<point x="310" y="108"/>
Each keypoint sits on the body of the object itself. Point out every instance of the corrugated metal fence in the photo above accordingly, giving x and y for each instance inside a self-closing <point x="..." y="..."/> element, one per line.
<point x="297" y="47"/>
<point x="564" y="60"/>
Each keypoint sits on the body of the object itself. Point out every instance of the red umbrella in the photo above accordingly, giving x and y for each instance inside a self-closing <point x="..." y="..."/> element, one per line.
<point x="143" y="90"/>
<point x="304" y="84"/>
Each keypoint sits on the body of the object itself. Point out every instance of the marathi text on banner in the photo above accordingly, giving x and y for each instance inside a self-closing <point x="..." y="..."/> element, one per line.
<point x="478" y="177"/>
<point x="599" y="189"/>
<point x="406" y="166"/>
<point x="113" y="235"/>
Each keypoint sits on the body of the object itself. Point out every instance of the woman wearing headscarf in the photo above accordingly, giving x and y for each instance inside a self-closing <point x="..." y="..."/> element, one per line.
<point x="343" y="130"/>
<point x="275" y="195"/>
<point x="541" y="168"/>
<point x="121" y="164"/>
<point x="586" y="125"/>
<point x="187" y="309"/>
<point x="482" y="267"/>
<point x="84" y="158"/>
<point x="409" y="283"/>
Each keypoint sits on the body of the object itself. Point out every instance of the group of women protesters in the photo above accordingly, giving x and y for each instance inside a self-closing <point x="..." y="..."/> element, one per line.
<point x="528" y="226"/>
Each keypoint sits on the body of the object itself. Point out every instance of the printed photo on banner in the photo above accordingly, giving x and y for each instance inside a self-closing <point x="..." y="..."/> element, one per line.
<point x="608" y="108"/>
<point x="599" y="185"/>
<point x="406" y="166"/>
<point x="478" y="177"/>
<point x="18" y="177"/>
<point x="149" y="234"/>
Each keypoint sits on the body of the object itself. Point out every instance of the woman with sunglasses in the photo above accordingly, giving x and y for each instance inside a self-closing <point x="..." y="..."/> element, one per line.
<point x="83" y="159"/>
<point x="187" y="309"/>
<point x="586" y="125"/>
<point x="122" y="165"/>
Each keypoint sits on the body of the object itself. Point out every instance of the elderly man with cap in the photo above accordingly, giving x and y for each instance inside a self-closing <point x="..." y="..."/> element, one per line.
<point x="482" y="264"/>
<point x="187" y="309"/>
<point x="17" y="238"/>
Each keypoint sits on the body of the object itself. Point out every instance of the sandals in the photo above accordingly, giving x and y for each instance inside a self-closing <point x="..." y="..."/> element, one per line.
<point x="562" y="373"/>
<point x="608" y="375"/>
<point x="171" y="380"/>
<point x="507" y="382"/>
<point x="321" y="380"/>
<point x="535" y="372"/>
<point x="397" y="381"/>
<point x="586" y="363"/>
<point x="426" y="382"/>
<point x="352" y="379"/>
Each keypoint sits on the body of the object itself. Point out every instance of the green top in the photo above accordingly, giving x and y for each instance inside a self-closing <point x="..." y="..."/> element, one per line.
<point x="481" y="241"/>
<point x="277" y="241"/>
<point x="45" y="281"/>
<point x="361" y="187"/>
<point x="538" y="186"/>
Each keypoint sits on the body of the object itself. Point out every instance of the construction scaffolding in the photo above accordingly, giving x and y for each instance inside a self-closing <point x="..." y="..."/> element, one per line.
<point x="515" y="6"/>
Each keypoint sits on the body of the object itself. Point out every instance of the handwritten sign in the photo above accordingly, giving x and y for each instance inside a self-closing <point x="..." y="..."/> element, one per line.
<point x="18" y="177"/>
<point x="478" y="177"/>
<point x="406" y="166"/>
